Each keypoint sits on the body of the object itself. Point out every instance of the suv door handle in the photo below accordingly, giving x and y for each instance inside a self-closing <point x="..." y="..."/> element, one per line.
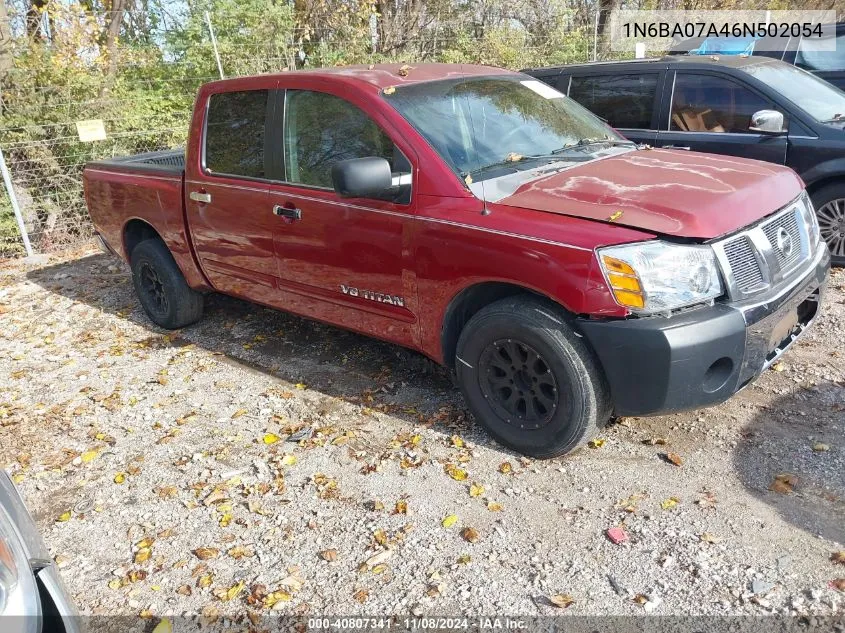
<point x="687" y="147"/>
<point x="201" y="196"/>
<point x="290" y="213"/>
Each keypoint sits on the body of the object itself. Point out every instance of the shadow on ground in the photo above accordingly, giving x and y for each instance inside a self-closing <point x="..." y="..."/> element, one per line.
<point x="779" y="444"/>
<point x="274" y="344"/>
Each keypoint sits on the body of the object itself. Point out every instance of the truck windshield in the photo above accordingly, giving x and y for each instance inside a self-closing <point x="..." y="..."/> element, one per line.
<point x="485" y="127"/>
<point x="821" y="100"/>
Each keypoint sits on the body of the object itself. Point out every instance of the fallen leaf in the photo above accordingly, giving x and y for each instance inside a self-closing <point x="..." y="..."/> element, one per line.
<point x="329" y="555"/>
<point x="468" y="179"/>
<point x="838" y="557"/>
<point x="403" y="70"/>
<point x="362" y="594"/>
<point x="464" y="559"/>
<point x="470" y="535"/>
<point x="164" y="626"/>
<point x="271" y="438"/>
<point x="143" y="554"/>
<point x="401" y="507"/>
<point x="380" y="536"/>
<point x="838" y="584"/>
<point x="495" y="507"/>
<point x="784" y="483"/>
<point x="615" y="216"/>
<point x="88" y="456"/>
<point x="670" y="503"/>
<point x="379" y="569"/>
<point x="672" y="458"/>
<point x="239" y="551"/>
<point x="64" y="516"/>
<point x="388" y="91"/>
<point x="301" y="386"/>
<point x="821" y="447"/>
<point x="205" y="553"/>
<point x="458" y="474"/>
<point x="288" y="460"/>
<point x="476" y="490"/>
<point x="505" y="468"/>
<point x="640" y="598"/>
<point x="597" y="443"/>
<point x="513" y="157"/>
<point x="449" y="521"/>
<point x="457" y="441"/>
<point x="707" y="537"/>
<point x="184" y="590"/>
<point x="562" y="601"/>
<point x="205" y="581"/>
<point x="378" y="559"/>
<point x="239" y="413"/>
<point x="119" y="478"/>
<point x="778" y="366"/>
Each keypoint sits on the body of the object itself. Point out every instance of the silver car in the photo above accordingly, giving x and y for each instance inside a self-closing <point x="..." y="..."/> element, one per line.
<point x="32" y="596"/>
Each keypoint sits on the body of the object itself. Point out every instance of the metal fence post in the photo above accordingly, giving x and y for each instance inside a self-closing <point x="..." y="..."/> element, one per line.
<point x="214" y="44"/>
<point x="14" y="200"/>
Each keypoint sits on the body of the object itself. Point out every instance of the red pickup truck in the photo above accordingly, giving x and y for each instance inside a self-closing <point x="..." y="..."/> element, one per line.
<point x="486" y="220"/>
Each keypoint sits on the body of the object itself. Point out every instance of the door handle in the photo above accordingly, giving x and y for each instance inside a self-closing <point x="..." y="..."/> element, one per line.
<point x="686" y="147"/>
<point x="201" y="196"/>
<point x="290" y="213"/>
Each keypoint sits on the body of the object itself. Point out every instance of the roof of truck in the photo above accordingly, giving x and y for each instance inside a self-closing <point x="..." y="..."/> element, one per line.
<point x="384" y="75"/>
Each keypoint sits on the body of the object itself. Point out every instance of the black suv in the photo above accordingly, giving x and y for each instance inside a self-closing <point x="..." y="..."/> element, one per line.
<point x="754" y="107"/>
<point x="809" y="53"/>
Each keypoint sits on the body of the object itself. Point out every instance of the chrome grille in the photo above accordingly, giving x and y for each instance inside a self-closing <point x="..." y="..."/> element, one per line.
<point x="785" y="225"/>
<point x="768" y="254"/>
<point x="744" y="265"/>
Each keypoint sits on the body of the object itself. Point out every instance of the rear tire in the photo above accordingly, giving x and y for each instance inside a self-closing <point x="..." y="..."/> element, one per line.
<point x="829" y="202"/>
<point x="161" y="288"/>
<point x="529" y="379"/>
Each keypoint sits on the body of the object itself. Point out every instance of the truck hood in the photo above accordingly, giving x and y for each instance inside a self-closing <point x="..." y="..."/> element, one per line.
<point x="667" y="192"/>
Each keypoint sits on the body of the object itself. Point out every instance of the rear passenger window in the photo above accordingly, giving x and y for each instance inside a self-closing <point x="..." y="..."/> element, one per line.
<point x="624" y="101"/>
<point x="234" y="137"/>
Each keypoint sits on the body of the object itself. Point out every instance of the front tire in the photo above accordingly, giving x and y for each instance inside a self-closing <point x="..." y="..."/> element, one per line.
<point x="161" y="288"/>
<point x="529" y="379"/>
<point x="829" y="202"/>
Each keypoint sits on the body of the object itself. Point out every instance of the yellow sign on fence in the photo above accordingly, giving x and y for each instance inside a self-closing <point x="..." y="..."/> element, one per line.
<point x="91" y="130"/>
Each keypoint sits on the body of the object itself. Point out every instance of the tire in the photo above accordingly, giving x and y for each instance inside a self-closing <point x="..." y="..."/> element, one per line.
<point x="161" y="288"/>
<point x="571" y="400"/>
<point x="829" y="202"/>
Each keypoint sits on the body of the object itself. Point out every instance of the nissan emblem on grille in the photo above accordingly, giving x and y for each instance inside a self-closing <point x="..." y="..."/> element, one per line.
<point x="784" y="242"/>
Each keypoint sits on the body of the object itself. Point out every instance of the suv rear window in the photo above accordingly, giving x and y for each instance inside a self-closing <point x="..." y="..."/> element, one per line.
<point x="234" y="136"/>
<point x="624" y="101"/>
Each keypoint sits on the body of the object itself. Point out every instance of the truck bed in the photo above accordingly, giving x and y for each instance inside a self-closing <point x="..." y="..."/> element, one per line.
<point x="170" y="161"/>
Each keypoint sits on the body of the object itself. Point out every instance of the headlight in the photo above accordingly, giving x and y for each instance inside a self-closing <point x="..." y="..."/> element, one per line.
<point x="655" y="276"/>
<point x="811" y="221"/>
<point x="18" y="592"/>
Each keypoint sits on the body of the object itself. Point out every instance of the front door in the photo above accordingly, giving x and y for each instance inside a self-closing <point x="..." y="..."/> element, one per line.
<point x="341" y="260"/>
<point x="712" y="113"/>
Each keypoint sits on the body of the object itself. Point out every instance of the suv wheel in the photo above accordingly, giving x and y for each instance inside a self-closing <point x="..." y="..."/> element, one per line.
<point x="529" y="379"/>
<point x="829" y="202"/>
<point x="164" y="294"/>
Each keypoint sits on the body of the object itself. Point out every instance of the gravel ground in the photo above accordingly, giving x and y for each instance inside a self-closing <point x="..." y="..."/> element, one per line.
<point x="159" y="468"/>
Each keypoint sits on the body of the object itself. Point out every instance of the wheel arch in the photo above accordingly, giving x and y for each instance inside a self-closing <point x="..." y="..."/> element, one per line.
<point x="136" y="231"/>
<point x="469" y="301"/>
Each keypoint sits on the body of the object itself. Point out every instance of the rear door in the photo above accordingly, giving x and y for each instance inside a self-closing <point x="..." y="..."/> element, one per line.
<point x="227" y="195"/>
<point x="627" y="99"/>
<point x="342" y="260"/>
<point x="711" y="112"/>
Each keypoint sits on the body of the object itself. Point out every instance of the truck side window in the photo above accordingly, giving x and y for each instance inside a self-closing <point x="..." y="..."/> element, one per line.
<point x="706" y="103"/>
<point x="234" y="133"/>
<point x="624" y="101"/>
<point x="321" y="129"/>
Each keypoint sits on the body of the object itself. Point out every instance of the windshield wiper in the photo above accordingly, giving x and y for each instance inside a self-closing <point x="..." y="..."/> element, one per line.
<point x="512" y="159"/>
<point x="837" y="118"/>
<point x="584" y="142"/>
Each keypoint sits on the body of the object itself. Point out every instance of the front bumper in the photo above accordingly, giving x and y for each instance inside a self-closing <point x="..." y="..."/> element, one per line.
<point x="700" y="358"/>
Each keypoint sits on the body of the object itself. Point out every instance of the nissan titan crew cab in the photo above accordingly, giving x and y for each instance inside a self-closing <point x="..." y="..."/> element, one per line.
<point x="484" y="219"/>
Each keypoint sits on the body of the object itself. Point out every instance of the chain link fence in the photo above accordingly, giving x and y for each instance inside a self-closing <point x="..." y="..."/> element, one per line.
<point x="45" y="160"/>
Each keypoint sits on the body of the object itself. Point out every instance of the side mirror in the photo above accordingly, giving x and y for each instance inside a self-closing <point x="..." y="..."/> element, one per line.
<point x="368" y="177"/>
<point x="767" y="122"/>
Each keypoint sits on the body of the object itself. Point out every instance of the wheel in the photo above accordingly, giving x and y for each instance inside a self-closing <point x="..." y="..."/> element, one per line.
<point x="165" y="295"/>
<point x="829" y="202"/>
<point x="529" y="379"/>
